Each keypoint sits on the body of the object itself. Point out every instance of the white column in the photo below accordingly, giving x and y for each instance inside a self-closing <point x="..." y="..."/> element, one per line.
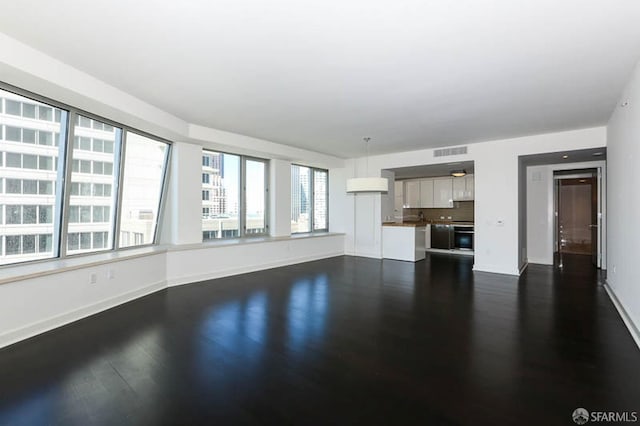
<point x="280" y="198"/>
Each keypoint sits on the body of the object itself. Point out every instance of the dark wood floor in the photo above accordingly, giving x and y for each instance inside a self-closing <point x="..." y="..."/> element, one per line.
<point x="340" y="341"/>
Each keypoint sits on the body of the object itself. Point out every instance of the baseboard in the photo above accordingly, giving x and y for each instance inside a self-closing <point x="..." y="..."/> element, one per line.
<point x="540" y="261"/>
<point x="188" y="279"/>
<point x="39" y="327"/>
<point x="491" y="269"/>
<point x="635" y="333"/>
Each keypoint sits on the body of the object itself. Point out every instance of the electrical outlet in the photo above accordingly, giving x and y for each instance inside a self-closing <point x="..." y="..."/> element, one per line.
<point x="110" y="274"/>
<point x="93" y="278"/>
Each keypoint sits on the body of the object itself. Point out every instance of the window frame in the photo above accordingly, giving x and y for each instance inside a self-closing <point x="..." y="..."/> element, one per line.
<point x="63" y="181"/>
<point x="312" y="199"/>
<point x="242" y="225"/>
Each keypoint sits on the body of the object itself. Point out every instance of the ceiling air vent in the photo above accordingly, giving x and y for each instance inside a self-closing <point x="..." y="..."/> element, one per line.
<point x="445" y="152"/>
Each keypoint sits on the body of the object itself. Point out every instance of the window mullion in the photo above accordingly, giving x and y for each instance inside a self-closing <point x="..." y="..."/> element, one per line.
<point x="312" y="210"/>
<point x="117" y="192"/>
<point x="161" y="202"/>
<point x="243" y="196"/>
<point x="66" y="183"/>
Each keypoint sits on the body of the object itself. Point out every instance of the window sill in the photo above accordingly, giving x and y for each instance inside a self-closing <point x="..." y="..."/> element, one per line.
<point x="226" y="242"/>
<point x="21" y="272"/>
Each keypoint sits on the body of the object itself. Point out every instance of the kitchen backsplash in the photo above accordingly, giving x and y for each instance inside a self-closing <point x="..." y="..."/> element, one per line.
<point x="462" y="210"/>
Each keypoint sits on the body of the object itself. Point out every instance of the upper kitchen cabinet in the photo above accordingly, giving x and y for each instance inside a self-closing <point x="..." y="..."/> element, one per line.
<point x="426" y="193"/>
<point x="412" y="194"/>
<point x="398" y="204"/>
<point x="463" y="188"/>
<point x="443" y="192"/>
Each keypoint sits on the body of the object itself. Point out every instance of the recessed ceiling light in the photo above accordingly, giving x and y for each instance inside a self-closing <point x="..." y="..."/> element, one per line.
<point x="597" y="154"/>
<point x="565" y="156"/>
<point x="582" y="181"/>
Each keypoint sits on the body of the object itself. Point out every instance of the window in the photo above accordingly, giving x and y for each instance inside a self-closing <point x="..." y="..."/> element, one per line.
<point x="255" y="196"/>
<point x="144" y="170"/>
<point x="45" y="218"/>
<point x="84" y="206"/>
<point x="309" y="199"/>
<point x="30" y="170"/>
<point x="320" y="200"/>
<point x="220" y="195"/>
<point x="300" y="199"/>
<point x="234" y="195"/>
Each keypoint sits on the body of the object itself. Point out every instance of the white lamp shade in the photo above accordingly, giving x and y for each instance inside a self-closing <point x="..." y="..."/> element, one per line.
<point x="370" y="184"/>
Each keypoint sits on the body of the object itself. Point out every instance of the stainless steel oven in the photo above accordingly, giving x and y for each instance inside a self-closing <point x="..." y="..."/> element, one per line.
<point x="463" y="237"/>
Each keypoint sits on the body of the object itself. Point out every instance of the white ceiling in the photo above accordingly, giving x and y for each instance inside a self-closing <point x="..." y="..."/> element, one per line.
<point x="322" y="74"/>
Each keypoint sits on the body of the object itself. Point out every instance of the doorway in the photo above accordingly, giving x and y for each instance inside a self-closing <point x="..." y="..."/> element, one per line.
<point x="578" y="212"/>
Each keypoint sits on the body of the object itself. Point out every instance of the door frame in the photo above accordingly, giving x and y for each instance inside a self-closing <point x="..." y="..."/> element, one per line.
<point x="601" y="179"/>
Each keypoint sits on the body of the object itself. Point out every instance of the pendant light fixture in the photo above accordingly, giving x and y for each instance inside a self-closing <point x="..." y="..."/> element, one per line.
<point x="368" y="184"/>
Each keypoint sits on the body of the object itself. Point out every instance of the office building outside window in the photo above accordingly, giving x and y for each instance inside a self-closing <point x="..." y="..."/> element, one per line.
<point x="41" y="217"/>
<point x="234" y="190"/>
<point x="309" y="199"/>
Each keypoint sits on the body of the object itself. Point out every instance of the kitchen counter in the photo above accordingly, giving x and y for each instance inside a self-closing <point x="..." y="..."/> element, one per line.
<point x="404" y="241"/>
<point x="408" y="224"/>
<point x="427" y="222"/>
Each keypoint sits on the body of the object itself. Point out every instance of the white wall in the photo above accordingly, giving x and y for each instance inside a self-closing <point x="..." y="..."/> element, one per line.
<point x="540" y="215"/>
<point x="623" y="201"/>
<point x="208" y="262"/>
<point x="30" y="306"/>
<point x="496" y="192"/>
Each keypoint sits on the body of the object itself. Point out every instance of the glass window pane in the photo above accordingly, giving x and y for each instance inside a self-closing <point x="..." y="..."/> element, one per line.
<point x="221" y="205"/>
<point x="85" y="206"/>
<point x="29" y="186"/>
<point x="300" y="199"/>
<point x="45" y="243"/>
<point x="320" y="180"/>
<point x="14" y="215"/>
<point x="28" y="244"/>
<point x="45" y="138"/>
<point x="13" y="107"/>
<point x="85" y="240"/>
<point x="13" y="134"/>
<point x="29" y="214"/>
<point x="142" y="187"/>
<point x="28" y="110"/>
<point x="29" y="161"/>
<point x="14" y="244"/>
<point x="28" y="136"/>
<point x="255" y="218"/>
<point x="45" y="163"/>
<point x="14" y="186"/>
<point x="14" y="160"/>
<point x="45" y="113"/>
<point x="85" y="214"/>
<point x="45" y="187"/>
<point x="73" y="242"/>
<point x="45" y="214"/>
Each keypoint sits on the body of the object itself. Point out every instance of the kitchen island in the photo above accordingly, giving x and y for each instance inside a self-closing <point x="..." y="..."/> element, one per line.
<point x="403" y="241"/>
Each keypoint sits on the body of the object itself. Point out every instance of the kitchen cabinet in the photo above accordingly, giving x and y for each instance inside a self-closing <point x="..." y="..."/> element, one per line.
<point x="470" y="187"/>
<point x="463" y="188"/>
<point x="443" y="192"/>
<point x="398" y="202"/>
<point x="412" y="194"/>
<point x="426" y="193"/>
<point x="403" y="242"/>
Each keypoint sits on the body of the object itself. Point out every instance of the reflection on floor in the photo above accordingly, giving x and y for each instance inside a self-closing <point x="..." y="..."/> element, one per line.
<point x="343" y="340"/>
